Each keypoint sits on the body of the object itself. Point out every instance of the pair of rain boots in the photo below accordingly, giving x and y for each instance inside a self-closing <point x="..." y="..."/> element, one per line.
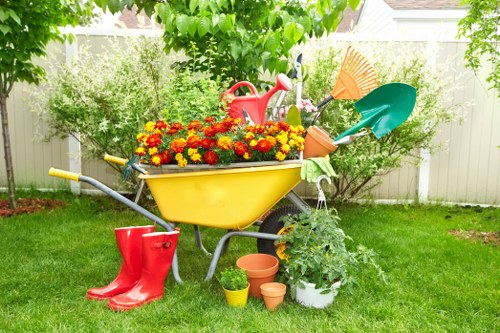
<point x="146" y="260"/>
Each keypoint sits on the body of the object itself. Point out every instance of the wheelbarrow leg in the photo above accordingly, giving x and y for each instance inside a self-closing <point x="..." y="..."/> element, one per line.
<point x="199" y="242"/>
<point x="222" y="243"/>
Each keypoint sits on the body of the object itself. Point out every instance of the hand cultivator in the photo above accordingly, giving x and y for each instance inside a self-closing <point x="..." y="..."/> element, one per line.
<point x="235" y="196"/>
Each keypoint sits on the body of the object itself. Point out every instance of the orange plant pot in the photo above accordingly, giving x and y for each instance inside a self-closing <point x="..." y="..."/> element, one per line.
<point x="273" y="293"/>
<point x="318" y="143"/>
<point x="261" y="268"/>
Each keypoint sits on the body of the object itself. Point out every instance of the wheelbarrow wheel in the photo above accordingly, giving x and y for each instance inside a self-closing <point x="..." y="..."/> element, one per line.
<point x="273" y="225"/>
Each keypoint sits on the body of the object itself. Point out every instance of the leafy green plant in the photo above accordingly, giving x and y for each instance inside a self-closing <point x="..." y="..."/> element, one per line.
<point x="359" y="164"/>
<point x="233" y="278"/>
<point x="251" y="37"/>
<point x="100" y="97"/>
<point x="26" y="27"/>
<point x="480" y="26"/>
<point x="317" y="252"/>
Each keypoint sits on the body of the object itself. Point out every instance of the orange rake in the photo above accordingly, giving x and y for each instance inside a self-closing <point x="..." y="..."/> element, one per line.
<point x="356" y="78"/>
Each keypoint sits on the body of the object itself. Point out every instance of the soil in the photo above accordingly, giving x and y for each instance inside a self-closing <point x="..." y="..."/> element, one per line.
<point x="492" y="238"/>
<point x="28" y="205"/>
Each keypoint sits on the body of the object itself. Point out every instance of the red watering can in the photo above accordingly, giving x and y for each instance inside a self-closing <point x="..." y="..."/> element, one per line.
<point x="253" y="104"/>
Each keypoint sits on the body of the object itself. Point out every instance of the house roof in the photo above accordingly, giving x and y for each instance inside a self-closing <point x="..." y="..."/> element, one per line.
<point x="423" y="4"/>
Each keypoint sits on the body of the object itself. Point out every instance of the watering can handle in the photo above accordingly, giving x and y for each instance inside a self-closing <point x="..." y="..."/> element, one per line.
<point x="246" y="84"/>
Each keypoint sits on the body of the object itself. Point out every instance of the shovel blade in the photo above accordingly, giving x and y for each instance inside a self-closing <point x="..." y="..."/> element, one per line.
<point x="384" y="109"/>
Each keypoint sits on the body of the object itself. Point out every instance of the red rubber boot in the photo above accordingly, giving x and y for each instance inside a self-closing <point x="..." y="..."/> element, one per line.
<point x="158" y="250"/>
<point x="129" y="241"/>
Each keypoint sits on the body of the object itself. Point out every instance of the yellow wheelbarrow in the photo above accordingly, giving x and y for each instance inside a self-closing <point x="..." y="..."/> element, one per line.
<point x="231" y="198"/>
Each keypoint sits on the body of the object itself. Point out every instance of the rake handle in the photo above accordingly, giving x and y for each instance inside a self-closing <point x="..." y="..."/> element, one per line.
<point x="64" y="174"/>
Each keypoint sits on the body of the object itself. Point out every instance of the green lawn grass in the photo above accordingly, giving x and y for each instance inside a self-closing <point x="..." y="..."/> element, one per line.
<point x="437" y="283"/>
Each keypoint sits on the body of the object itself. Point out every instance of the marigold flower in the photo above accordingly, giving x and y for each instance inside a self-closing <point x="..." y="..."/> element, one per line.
<point x="210" y="131"/>
<point x="195" y="125"/>
<point x="178" y="145"/>
<point x="224" y="142"/>
<point x="285" y="148"/>
<point x="179" y="156"/>
<point x="249" y="136"/>
<point x="141" y="136"/>
<point x="248" y="155"/>
<point x="239" y="148"/>
<point x="140" y="151"/>
<point x="149" y="127"/>
<point x="156" y="160"/>
<point x="166" y="157"/>
<point x="282" y="138"/>
<point x="153" y="151"/>
<point x="253" y="144"/>
<point x="280" y="156"/>
<point x="209" y="119"/>
<point x="207" y="143"/>
<point x="193" y="141"/>
<point x="211" y="157"/>
<point x="284" y="126"/>
<point x="153" y="140"/>
<point x="271" y="139"/>
<point x="160" y="124"/>
<point x="192" y="151"/>
<point x="196" y="157"/>
<point x="220" y="128"/>
<point x="264" y="145"/>
<point x="182" y="162"/>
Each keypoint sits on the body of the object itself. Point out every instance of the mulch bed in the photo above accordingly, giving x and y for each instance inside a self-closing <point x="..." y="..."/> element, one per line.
<point x="492" y="238"/>
<point x="28" y="205"/>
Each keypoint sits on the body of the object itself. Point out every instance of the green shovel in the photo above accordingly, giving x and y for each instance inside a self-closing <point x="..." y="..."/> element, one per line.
<point x="384" y="109"/>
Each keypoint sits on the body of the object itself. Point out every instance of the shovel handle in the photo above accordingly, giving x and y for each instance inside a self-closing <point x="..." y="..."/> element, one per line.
<point x="115" y="159"/>
<point x="64" y="174"/>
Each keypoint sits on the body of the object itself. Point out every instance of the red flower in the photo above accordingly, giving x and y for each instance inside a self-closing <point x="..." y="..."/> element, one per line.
<point x="284" y="126"/>
<point x="153" y="140"/>
<point x="264" y="145"/>
<point x="193" y="141"/>
<point x="220" y="127"/>
<point x="175" y="128"/>
<point x="211" y="157"/>
<point x="209" y="119"/>
<point x="166" y="157"/>
<point x="210" y="131"/>
<point x="207" y="143"/>
<point x="240" y="148"/>
<point x="160" y="124"/>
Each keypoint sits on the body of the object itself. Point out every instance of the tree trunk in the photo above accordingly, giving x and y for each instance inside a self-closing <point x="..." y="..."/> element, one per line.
<point x="8" y="155"/>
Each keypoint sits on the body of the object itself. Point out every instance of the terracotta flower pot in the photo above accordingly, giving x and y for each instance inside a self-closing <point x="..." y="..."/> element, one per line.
<point x="261" y="268"/>
<point x="318" y="143"/>
<point x="273" y="293"/>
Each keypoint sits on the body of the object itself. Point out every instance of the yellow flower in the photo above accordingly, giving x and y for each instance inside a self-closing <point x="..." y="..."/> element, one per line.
<point x="192" y="151"/>
<point x="156" y="160"/>
<point x="253" y="143"/>
<point x="153" y="151"/>
<point x="271" y="139"/>
<point x="140" y="151"/>
<point x="178" y="157"/>
<point x="247" y="155"/>
<point x="282" y="138"/>
<point x="196" y="157"/>
<point x="292" y="143"/>
<point x="249" y="136"/>
<point x="149" y="127"/>
<point x="140" y="137"/>
<point x="280" y="156"/>
<point x="182" y="162"/>
<point x="157" y="131"/>
<point x="285" y="148"/>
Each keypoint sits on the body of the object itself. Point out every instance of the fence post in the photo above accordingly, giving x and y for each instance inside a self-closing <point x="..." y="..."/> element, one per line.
<point x="74" y="147"/>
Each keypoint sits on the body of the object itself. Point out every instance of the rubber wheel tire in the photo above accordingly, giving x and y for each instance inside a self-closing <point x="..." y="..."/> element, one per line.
<point x="272" y="225"/>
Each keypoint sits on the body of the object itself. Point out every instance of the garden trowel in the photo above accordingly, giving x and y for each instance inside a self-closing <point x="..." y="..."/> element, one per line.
<point x="384" y="109"/>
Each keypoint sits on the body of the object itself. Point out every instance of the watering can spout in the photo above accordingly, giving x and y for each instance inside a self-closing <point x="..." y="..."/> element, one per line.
<point x="254" y="105"/>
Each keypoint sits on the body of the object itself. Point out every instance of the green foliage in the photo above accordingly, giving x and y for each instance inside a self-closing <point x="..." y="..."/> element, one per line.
<point x="317" y="251"/>
<point x="480" y="26"/>
<point x="250" y="36"/>
<point x="358" y="164"/>
<point x="101" y="98"/>
<point x="233" y="278"/>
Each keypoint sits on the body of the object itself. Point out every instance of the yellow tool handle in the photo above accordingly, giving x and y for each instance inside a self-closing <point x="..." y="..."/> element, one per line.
<point x="114" y="159"/>
<point x="64" y="174"/>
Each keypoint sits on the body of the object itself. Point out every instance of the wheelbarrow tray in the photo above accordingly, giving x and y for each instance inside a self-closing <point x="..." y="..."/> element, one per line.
<point x="223" y="198"/>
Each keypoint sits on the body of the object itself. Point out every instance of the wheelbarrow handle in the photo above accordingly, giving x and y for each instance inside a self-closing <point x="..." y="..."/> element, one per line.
<point x="64" y="174"/>
<point x="115" y="159"/>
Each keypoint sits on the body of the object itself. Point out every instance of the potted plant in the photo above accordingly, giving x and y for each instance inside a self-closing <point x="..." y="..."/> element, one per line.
<point x="234" y="281"/>
<point x="318" y="260"/>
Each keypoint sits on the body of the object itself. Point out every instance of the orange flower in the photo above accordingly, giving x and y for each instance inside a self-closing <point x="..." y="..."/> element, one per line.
<point x="153" y="140"/>
<point x="195" y="125"/>
<point x="240" y="148"/>
<point x="193" y="141"/>
<point x="178" y="145"/>
<point x="264" y="145"/>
